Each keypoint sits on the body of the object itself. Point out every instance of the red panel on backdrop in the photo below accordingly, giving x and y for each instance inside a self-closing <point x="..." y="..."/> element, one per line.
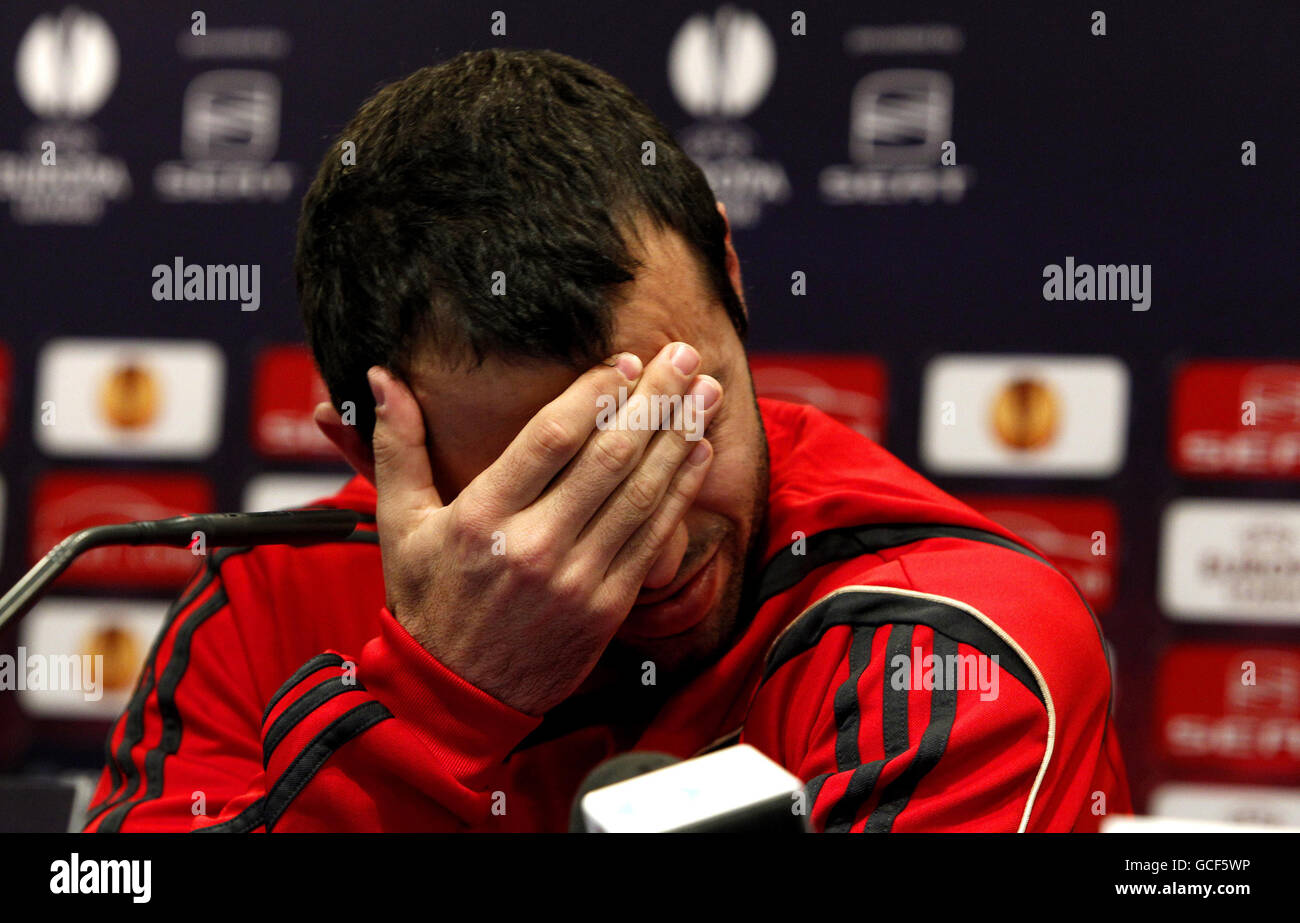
<point x="1236" y="419"/>
<point x="849" y="388"/>
<point x="65" y="502"/>
<point x="1231" y="709"/>
<point x="286" y="389"/>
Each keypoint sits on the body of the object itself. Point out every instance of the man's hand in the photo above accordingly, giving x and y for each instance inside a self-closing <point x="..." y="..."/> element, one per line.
<point x="582" y="515"/>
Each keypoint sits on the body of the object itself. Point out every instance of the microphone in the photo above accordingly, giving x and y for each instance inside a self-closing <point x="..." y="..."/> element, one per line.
<point x="733" y="790"/>
<point x="615" y="769"/>
<point x="278" y="527"/>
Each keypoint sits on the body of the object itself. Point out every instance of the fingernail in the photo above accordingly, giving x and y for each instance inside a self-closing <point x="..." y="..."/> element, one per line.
<point x="706" y="391"/>
<point x="700" y="454"/>
<point x="376" y="388"/>
<point x="686" y="359"/>
<point x="630" y="365"/>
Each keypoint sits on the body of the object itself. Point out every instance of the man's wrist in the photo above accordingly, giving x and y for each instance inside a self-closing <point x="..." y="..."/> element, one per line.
<point x="470" y="730"/>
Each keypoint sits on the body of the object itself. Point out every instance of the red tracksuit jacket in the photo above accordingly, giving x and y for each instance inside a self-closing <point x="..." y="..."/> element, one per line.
<point x="282" y="696"/>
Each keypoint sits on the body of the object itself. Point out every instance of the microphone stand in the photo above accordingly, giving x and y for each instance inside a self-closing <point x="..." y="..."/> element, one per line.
<point x="279" y="527"/>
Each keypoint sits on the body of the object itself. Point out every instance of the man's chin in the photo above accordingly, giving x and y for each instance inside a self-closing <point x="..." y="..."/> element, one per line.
<point x="707" y="634"/>
<point x="669" y="654"/>
<point x="673" y="659"/>
<point x="684" y="611"/>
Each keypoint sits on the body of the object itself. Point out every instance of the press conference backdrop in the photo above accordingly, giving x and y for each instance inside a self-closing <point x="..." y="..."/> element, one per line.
<point x="1046" y="257"/>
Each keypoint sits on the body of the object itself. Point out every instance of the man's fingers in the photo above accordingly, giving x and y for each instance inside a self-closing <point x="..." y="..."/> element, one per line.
<point x="554" y="435"/>
<point x="628" y="570"/>
<point x="665" y="567"/>
<point x="612" y="454"/>
<point x="403" y="476"/>
<point x="635" y="500"/>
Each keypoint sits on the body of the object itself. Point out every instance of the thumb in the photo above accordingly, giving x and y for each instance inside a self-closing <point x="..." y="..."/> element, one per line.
<point x="403" y="475"/>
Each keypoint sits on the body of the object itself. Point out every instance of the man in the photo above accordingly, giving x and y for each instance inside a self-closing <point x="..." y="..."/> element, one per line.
<point x="497" y="292"/>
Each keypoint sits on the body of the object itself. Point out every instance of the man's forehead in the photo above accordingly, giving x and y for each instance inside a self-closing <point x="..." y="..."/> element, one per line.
<point x="668" y="301"/>
<point x="502" y="392"/>
<point x="473" y="416"/>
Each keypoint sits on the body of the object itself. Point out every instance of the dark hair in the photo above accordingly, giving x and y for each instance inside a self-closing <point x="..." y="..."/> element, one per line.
<point x="523" y="162"/>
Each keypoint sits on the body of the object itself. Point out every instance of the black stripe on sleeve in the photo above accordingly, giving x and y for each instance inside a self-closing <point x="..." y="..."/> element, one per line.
<point x="170" y="741"/>
<point x="872" y="607"/>
<point x="307" y="763"/>
<point x="301" y="707"/>
<point x="943" y="709"/>
<point x="319" y="662"/>
<point x="786" y="569"/>
<point x="248" y="819"/>
<point x="847" y="714"/>
<point x="952" y="625"/>
<point x="122" y="769"/>
<point x="813" y="788"/>
<point x="897" y="737"/>
<point x="172" y="674"/>
<point x="132" y="734"/>
<point x="896" y="740"/>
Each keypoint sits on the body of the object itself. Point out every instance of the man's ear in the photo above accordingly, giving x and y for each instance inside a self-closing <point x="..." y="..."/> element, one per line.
<point x="346" y="439"/>
<point x="733" y="261"/>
